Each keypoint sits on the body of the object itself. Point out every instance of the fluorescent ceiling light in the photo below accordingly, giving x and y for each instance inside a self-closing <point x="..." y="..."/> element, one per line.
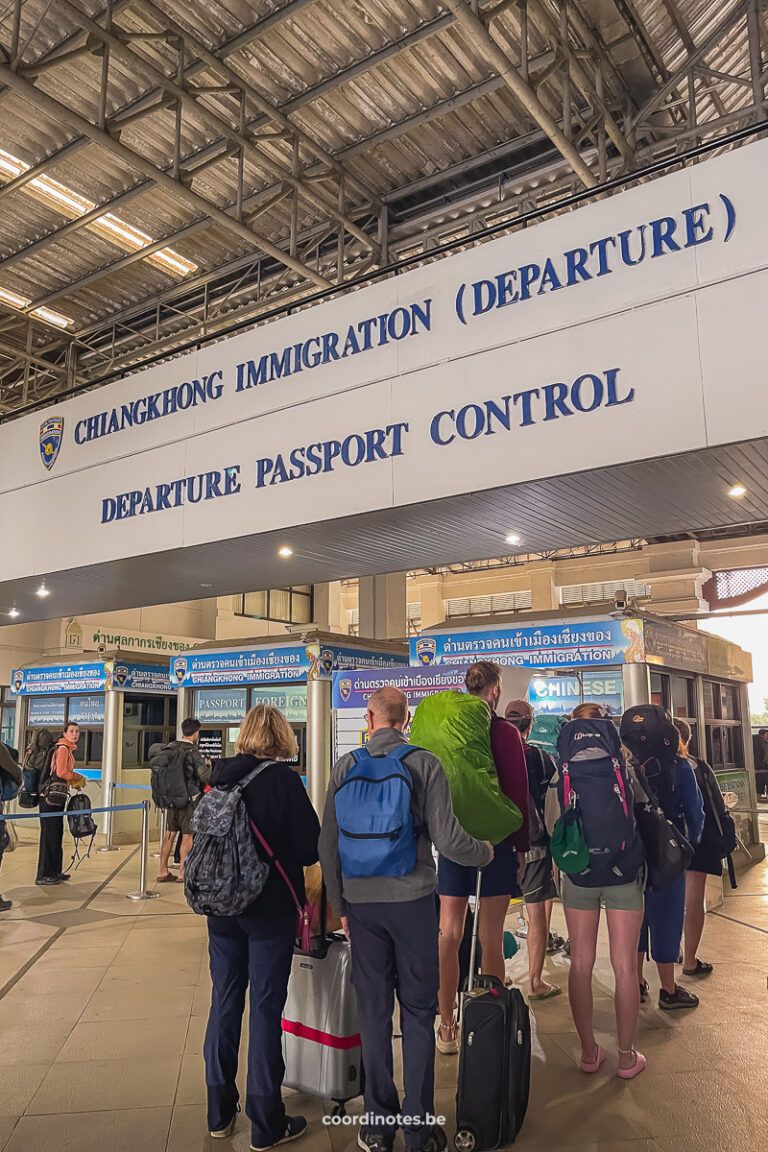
<point x="22" y="302"/>
<point x="512" y="538"/>
<point x="109" y="226"/>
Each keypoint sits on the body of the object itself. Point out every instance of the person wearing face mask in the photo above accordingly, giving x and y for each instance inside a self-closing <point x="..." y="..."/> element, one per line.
<point x="501" y="878"/>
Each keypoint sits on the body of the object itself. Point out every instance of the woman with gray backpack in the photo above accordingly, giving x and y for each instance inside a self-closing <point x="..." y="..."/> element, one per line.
<point x="255" y="832"/>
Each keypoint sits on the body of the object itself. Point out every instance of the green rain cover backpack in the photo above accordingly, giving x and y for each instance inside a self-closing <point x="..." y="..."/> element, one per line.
<point x="544" y="733"/>
<point x="456" y="727"/>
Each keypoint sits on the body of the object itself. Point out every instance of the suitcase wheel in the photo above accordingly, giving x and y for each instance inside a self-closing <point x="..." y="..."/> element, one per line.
<point x="464" y="1140"/>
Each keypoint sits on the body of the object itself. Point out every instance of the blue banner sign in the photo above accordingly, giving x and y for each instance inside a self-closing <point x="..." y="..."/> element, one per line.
<point x="105" y="676"/>
<point x="86" y="710"/>
<point x="272" y="665"/>
<point x="140" y="677"/>
<point x="55" y="678"/>
<point x="558" y="695"/>
<point x="47" y="712"/>
<point x="353" y="688"/>
<point x="583" y="644"/>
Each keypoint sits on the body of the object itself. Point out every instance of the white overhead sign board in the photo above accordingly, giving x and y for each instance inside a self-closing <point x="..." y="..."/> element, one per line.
<point x="628" y="329"/>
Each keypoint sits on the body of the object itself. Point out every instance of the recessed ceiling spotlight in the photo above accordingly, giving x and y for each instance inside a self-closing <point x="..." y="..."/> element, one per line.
<point x="14" y="612"/>
<point x="206" y="585"/>
<point x="512" y="538"/>
<point x="737" y="491"/>
<point x="43" y="591"/>
<point x="285" y="551"/>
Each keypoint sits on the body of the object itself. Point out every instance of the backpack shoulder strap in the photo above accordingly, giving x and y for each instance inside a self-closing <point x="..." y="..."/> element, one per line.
<point x="243" y="784"/>
<point x="360" y="754"/>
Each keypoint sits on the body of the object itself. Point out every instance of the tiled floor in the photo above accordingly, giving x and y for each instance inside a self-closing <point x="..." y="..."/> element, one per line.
<point x="103" y="1005"/>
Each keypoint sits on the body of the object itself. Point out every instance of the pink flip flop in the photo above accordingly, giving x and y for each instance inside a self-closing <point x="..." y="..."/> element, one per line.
<point x="636" y="1069"/>
<point x="592" y="1066"/>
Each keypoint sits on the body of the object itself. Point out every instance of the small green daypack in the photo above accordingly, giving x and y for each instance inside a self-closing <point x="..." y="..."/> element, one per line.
<point x="545" y="731"/>
<point x="568" y="845"/>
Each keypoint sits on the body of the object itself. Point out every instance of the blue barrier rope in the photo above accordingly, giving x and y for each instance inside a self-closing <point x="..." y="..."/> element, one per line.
<point x="135" y="787"/>
<point x="77" y="812"/>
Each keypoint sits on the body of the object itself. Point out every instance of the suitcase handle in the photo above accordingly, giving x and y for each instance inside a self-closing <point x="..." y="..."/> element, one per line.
<point x="475" y="926"/>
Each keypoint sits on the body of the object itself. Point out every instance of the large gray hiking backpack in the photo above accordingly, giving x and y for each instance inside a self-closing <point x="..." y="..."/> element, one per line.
<point x="223" y="872"/>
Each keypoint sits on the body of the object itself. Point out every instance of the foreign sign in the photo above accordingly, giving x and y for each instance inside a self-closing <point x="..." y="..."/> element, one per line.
<point x="272" y="665"/>
<point x="489" y="368"/>
<point x="582" y="644"/>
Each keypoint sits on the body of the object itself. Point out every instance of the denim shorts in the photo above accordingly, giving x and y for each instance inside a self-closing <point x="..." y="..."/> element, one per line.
<point x="617" y="897"/>
<point x="499" y="877"/>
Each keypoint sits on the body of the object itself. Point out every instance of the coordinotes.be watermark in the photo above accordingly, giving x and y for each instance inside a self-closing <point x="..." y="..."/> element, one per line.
<point x="378" y="1123"/>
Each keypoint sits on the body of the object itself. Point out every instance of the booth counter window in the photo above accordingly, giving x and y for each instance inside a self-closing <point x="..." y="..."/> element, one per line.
<point x="147" y="720"/>
<point x="7" y="717"/>
<point x="677" y="693"/>
<point x="722" y="720"/>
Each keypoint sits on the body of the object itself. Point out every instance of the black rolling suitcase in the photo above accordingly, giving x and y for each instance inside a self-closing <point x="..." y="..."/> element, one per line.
<point x="494" y="1061"/>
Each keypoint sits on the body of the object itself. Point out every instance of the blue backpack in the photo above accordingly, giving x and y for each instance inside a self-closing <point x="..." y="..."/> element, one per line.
<point x="373" y="812"/>
<point x="596" y="783"/>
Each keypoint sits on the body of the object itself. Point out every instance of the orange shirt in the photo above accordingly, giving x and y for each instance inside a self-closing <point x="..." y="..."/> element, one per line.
<point x="63" y="760"/>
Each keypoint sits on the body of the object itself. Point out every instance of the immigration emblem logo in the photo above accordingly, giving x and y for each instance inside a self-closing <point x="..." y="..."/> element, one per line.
<point x="51" y="434"/>
<point x="425" y="650"/>
<point x="18" y="681"/>
<point x="180" y="669"/>
<point x="345" y="689"/>
<point x="326" y="661"/>
<point x="121" y="675"/>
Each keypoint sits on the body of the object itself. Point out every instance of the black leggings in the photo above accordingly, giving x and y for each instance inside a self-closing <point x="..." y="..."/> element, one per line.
<point x="49" y="860"/>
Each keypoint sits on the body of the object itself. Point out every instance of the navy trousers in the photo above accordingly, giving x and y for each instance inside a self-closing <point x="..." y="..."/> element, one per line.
<point x="237" y="960"/>
<point x="394" y="952"/>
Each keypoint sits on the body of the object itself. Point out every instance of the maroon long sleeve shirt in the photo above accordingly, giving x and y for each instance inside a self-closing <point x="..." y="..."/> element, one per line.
<point x="509" y="758"/>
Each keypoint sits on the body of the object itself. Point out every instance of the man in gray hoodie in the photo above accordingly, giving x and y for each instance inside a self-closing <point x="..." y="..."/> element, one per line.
<point x="391" y="922"/>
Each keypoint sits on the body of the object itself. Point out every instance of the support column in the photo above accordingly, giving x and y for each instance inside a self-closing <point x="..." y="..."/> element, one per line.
<point x="676" y="577"/>
<point x="327" y="606"/>
<point x="637" y="684"/>
<point x="544" y="594"/>
<point x="432" y="603"/>
<point x="110" y="764"/>
<point x="184" y="708"/>
<point x="18" y="733"/>
<point x="382" y="606"/>
<point x="318" y="741"/>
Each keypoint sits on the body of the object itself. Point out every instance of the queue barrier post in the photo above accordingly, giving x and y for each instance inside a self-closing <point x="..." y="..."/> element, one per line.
<point x="163" y="821"/>
<point x="108" y="846"/>
<point x="143" y="893"/>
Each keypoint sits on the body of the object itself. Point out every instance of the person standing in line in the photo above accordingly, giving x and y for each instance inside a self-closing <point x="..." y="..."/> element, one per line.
<point x="622" y="898"/>
<point x="456" y="882"/>
<point x="391" y="922"/>
<point x="538" y="883"/>
<point x="9" y="766"/>
<point x="256" y="948"/>
<point x="678" y="795"/>
<point x="708" y="857"/>
<point x="50" y="857"/>
<point x="182" y="769"/>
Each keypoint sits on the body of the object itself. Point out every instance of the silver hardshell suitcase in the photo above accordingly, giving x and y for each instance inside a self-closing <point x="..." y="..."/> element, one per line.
<point x="321" y="1034"/>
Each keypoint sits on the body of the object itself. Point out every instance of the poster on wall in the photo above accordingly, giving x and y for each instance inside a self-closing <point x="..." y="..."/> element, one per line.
<point x="211" y="743"/>
<point x="47" y="712"/>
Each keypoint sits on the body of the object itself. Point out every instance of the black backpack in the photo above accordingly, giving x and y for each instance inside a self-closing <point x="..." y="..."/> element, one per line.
<point x="168" y="778"/>
<point x="36" y="767"/>
<point x="81" y="824"/>
<point x="667" y="851"/>
<point x="649" y="733"/>
<point x="593" y="769"/>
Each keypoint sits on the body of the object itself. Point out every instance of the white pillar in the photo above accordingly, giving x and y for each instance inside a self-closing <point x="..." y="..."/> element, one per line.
<point x="18" y="734"/>
<point x="382" y="606"/>
<point x="184" y="708"/>
<point x="111" y="758"/>
<point x="318" y="741"/>
<point x="637" y="684"/>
